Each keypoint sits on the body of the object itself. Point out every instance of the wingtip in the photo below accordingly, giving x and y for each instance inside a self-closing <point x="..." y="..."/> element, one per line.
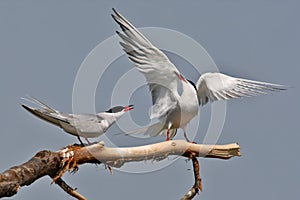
<point x="116" y="12"/>
<point x="26" y="107"/>
<point x="23" y="105"/>
<point x="25" y="98"/>
<point x="285" y="87"/>
<point x="281" y="87"/>
<point x="115" y="18"/>
<point x="278" y="87"/>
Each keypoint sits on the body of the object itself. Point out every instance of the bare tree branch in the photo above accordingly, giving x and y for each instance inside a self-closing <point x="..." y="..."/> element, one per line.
<point x="55" y="164"/>
<point x="61" y="183"/>
<point x="198" y="181"/>
<point x="43" y="163"/>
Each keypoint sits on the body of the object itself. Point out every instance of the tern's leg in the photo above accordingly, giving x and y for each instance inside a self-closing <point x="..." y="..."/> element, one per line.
<point x="184" y="132"/>
<point x="80" y="140"/>
<point x="88" y="141"/>
<point x="185" y="135"/>
<point x="168" y="135"/>
<point x="168" y="132"/>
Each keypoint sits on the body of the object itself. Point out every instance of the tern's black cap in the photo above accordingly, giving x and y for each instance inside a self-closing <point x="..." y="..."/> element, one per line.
<point x="115" y="109"/>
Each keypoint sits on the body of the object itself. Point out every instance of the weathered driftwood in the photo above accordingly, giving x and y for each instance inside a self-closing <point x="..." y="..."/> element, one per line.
<point x="55" y="164"/>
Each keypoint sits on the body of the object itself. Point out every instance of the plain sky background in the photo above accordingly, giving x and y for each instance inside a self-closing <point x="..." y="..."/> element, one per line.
<point x="43" y="43"/>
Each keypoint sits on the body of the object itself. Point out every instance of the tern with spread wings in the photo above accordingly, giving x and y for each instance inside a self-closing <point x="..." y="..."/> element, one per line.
<point x="80" y="125"/>
<point x="176" y="110"/>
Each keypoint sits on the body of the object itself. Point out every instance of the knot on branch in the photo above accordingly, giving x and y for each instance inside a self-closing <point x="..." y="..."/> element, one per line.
<point x="67" y="161"/>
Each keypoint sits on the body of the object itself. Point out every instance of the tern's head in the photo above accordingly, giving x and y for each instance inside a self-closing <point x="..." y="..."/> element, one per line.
<point x="187" y="84"/>
<point x="118" y="109"/>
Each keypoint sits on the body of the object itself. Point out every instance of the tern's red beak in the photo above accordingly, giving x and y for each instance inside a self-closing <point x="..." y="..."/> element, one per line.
<point x="181" y="78"/>
<point x="129" y="107"/>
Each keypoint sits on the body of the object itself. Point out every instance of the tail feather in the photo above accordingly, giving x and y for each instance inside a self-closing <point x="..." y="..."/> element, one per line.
<point x="153" y="130"/>
<point x="43" y="114"/>
<point x="39" y="103"/>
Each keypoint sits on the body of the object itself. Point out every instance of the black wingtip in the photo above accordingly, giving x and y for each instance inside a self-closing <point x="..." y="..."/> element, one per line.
<point x="116" y="12"/>
<point x="27" y="108"/>
<point x="285" y="87"/>
<point x="115" y="18"/>
<point x="24" y="106"/>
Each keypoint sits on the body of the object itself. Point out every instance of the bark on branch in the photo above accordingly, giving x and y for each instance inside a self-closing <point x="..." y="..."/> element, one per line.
<point x="198" y="181"/>
<point x="55" y="164"/>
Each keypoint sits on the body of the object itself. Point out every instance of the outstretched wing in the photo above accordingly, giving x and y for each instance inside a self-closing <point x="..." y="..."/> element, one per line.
<point x="160" y="73"/>
<point x="217" y="86"/>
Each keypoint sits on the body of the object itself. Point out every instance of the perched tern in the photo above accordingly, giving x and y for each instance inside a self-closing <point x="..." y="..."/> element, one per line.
<point x="80" y="125"/>
<point x="175" y="110"/>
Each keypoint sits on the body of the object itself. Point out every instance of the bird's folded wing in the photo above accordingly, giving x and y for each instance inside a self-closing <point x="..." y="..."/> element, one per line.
<point x="85" y="123"/>
<point x="158" y="70"/>
<point x="217" y="86"/>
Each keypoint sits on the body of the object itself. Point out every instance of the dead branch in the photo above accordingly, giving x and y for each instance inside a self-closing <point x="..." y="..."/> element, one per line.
<point x="198" y="181"/>
<point x="43" y="163"/>
<point x="55" y="164"/>
<point x="61" y="183"/>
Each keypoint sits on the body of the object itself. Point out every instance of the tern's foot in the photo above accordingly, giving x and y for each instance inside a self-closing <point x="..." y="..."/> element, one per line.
<point x="78" y="145"/>
<point x="189" y="141"/>
<point x="109" y="168"/>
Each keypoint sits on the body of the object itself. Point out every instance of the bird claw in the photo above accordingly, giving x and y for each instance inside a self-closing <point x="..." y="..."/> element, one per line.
<point x="109" y="168"/>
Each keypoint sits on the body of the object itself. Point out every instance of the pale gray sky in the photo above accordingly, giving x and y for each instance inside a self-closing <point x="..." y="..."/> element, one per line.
<point x="42" y="45"/>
